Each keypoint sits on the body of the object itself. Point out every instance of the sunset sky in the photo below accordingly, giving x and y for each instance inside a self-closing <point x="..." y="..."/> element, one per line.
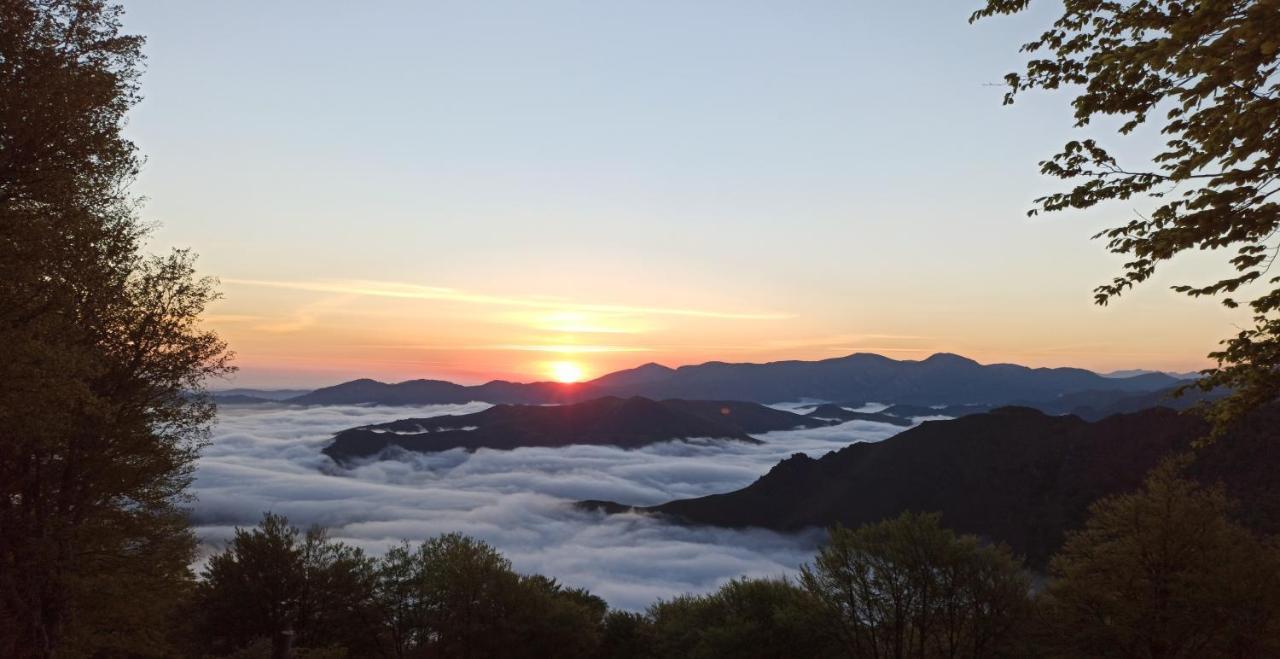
<point x="513" y="189"/>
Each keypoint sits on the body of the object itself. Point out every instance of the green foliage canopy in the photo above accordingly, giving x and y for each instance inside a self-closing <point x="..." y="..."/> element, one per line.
<point x="908" y="587"/>
<point x="450" y="596"/>
<point x="764" y="618"/>
<point x="274" y="579"/>
<point x="100" y="350"/>
<point x="1164" y="572"/>
<point x="1205" y="73"/>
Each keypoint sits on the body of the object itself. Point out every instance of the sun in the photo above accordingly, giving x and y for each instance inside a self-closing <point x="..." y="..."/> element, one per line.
<point x="566" y="372"/>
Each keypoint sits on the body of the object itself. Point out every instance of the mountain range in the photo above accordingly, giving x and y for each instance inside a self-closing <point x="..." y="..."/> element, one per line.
<point x="623" y="422"/>
<point x="942" y="379"/>
<point x="1013" y="475"/>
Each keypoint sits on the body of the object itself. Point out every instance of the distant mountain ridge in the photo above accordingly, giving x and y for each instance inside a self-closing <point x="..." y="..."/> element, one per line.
<point x="267" y="394"/>
<point x="247" y="396"/>
<point x="439" y="392"/>
<point x="1128" y="373"/>
<point x="942" y="379"/>
<point x="622" y="422"/>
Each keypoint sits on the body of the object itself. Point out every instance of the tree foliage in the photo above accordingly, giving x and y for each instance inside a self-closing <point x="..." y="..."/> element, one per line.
<point x="1164" y="572"/>
<point x="1157" y="573"/>
<point x="1205" y="74"/>
<point x="275" y="579"/>
<point x="454" y="596"/>
<point x="450" y="596"/>
<point x="100" y="349"/>
<point x="627" y="635"/>
<point x="764" y="618"/>
<point x="908" y="587"/>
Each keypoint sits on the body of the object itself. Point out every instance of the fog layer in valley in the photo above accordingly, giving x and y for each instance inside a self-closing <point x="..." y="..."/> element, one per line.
<point x="268" y="458"/>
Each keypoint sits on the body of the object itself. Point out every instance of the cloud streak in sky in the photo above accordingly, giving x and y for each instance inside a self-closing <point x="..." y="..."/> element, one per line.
<point x="418" y="292"/>
<point x="268" y="458"/>
<point x="566" y="348"/>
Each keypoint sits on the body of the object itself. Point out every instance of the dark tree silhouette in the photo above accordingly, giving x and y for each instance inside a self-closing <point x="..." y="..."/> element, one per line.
<point x="761" y="618"/>
<point x="1164" y="572"/>
<point x="908" y="587"/>
<point x="454" y="596"/>
<point x="275" y="583"/>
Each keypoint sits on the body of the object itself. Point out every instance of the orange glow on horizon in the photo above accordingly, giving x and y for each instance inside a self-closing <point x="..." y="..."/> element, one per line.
<point x="566" y="372"/>
<point x="297" y="336"/>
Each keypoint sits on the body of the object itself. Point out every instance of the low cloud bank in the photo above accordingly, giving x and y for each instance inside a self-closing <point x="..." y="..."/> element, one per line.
<point x="268" y="458"/>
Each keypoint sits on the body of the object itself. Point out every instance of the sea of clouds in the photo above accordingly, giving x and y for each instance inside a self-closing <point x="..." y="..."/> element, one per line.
<point x="267" y="458"/>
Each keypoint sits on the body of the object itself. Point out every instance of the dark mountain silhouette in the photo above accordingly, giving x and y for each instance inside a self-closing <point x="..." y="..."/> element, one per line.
<point x="1014" y="475"/>
<point x="624" y="422"/>
<point x="942" y="379"/>
<point x="634" y="377"/>
<point x="838" y="413"/>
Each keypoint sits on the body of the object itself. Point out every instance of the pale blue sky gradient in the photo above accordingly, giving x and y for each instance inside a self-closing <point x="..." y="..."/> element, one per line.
<point x="847" y="165"/>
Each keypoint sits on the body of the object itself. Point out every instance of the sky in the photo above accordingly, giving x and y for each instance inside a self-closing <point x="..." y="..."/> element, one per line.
<point x="529" y="191"/>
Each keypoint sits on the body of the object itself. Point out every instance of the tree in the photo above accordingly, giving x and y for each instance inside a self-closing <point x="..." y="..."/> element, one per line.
<point x="627" y="635"/>
<point x="552" y="620"/>
<point x="1164" y="572"/>
<point x="274" y="580"/>
<point x="908" y="587"/>
<point x="102" y="362"/>
<point x="454" y="596"/>
<point x="744" y="618"/>
<point x="1205" y="73"/>
<point x="128" y="606"/>
<point x="449" y="593"/>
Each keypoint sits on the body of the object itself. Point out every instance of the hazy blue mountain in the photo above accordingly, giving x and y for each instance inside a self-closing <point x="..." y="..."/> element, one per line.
<point x="942" y="379"/>
<point x="1133" y="372"/>
<point x="1095" y="405"/>
<point x="260" y="394"/>
<point x="240" y="399"/>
